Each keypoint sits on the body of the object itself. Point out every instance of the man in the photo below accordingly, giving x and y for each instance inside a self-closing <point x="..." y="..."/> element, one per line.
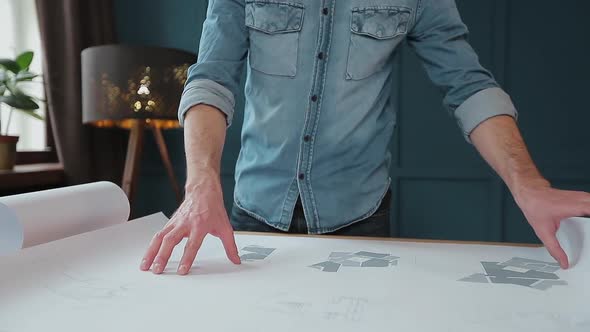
<point x="318" y="120"/>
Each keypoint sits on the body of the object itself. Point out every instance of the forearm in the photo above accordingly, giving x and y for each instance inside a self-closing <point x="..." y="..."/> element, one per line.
<point x="204" y="137"/>
<point x="202" y="212"/>
<point x="500" y="143"/>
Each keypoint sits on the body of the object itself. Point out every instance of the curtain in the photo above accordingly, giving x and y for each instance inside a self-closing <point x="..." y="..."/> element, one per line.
<point x="67" y="27"/>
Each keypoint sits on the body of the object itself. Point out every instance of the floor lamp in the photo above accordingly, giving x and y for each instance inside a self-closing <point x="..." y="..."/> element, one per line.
<point x="137" y="88"/>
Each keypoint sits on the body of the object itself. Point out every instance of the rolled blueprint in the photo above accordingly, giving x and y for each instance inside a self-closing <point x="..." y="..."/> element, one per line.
<point x="574" y="238"/>
<point x="34" y="218"/>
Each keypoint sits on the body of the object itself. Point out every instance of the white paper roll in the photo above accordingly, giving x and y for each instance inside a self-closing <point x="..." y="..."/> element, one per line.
<point x="574" y="237"/>
<point x="40" y="217"/>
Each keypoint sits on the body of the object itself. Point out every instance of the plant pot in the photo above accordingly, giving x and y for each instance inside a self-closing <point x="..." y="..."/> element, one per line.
<point x="7" y="152"/>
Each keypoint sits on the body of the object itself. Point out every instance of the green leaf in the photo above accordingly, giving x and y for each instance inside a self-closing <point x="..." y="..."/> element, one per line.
<point x="2" y="90"/>
<point x="20" y="102"/>
<point x="25" y="76"/>
<point x="11" y="65"/>
<point x="35" y="98"/>
<point x="31" y="114"/>
<point x="11" y="86"/>
<point x="24" y="60"/>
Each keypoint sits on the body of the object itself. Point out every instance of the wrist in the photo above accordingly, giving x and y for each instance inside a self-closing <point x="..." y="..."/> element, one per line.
<point x="522" y="189"/>
<point x="197" y="176"/>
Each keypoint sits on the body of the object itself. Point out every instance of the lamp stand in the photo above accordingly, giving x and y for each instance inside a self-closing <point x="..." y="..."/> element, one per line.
<point x="133" y="159"/>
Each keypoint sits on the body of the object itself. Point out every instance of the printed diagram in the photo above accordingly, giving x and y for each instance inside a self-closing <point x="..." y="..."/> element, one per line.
<point x="519" y="271"/>
<point x="361" y="259"/>
<point x="255" y="253"/>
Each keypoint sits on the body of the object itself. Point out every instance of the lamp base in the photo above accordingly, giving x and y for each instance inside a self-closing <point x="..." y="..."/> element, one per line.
<point x="133" y="159"/>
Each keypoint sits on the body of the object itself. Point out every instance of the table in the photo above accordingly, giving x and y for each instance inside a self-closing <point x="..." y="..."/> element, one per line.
<point x="92" y="282"/>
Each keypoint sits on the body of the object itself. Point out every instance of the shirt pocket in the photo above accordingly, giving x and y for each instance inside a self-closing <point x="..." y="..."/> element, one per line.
<point x="376" y="32"/>
<point x="274" y="29"/>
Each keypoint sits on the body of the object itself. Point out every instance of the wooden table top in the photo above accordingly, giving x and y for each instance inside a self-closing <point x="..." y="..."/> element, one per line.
<point x="367" y="238"/>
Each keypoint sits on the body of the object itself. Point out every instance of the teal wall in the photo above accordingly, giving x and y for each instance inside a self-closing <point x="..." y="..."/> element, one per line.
<point x="538" y="51"/>
<point x="177" y="24"/>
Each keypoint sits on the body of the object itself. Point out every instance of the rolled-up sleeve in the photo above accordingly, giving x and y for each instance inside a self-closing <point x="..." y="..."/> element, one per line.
<point x="215" y="79"/>
<point x="471" y="94"/>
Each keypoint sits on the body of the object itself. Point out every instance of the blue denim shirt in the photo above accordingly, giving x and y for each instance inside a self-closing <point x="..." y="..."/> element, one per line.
<point x="319" y="114"/>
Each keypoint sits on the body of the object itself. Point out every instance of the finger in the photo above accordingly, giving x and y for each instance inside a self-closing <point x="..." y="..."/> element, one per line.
<point x="229" y="243"/>
<point x="170" y="241"/>
<point x="190" y="252"/>
<point x="554" y="248"/>
<point x="154" y="247"/>
<point x="586" y="208"/>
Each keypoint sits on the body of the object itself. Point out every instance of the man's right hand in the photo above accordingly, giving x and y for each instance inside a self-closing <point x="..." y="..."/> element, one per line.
<point x="201" y="213"/>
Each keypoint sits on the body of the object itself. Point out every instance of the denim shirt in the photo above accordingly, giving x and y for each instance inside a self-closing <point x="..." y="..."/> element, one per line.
<point x="319" y="114"/>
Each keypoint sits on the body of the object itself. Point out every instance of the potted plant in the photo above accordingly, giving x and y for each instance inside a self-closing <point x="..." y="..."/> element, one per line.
<point x="14" y="73"/>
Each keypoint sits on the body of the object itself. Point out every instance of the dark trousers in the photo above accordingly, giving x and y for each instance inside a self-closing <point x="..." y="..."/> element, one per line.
<point x="377" y="224"/>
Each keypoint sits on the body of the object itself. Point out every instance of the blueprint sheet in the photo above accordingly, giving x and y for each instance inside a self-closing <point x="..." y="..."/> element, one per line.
<point x="91" y="282"/>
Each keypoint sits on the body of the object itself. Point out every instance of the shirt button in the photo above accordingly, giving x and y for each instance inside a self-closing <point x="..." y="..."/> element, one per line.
<point x="306" y="138"/>
<point x="325" y="11"/>
<point x="321" y="55"/>
<point x="314" y="98"/>
<point x="301" y="176"/>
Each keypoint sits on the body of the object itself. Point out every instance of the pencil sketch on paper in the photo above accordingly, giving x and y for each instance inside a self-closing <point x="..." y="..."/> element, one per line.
<point x="255" y="253"/>
<point x="359" y="259"/>
<point x="498" y="320"/>
<point x="519" y="271"/>
<point x="78" y="288"/>
<point x="347" y="308"/>
<point x="336" y="308"/>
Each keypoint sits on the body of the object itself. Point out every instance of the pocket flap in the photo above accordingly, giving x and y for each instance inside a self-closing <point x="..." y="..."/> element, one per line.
<point x="380" y="22"/>
<point x="274" y="17"/>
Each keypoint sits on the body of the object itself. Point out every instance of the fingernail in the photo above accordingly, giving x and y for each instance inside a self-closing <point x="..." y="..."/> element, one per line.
<point x="143" y="264"/>
<point x="157" y="268"/>
<point x="183" y="269"/>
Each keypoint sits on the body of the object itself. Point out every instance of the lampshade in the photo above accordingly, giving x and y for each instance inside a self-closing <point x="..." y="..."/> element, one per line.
<point x="123" y="83"/>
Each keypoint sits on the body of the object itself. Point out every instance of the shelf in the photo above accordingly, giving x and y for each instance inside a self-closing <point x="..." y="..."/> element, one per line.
<point x="33" y="175"/>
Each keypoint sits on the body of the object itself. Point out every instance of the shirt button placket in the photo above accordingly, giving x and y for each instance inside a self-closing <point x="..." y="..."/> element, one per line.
<point x="314" y="107"/>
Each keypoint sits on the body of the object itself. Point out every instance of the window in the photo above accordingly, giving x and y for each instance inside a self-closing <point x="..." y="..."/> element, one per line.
<point x="20" y="33"/>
